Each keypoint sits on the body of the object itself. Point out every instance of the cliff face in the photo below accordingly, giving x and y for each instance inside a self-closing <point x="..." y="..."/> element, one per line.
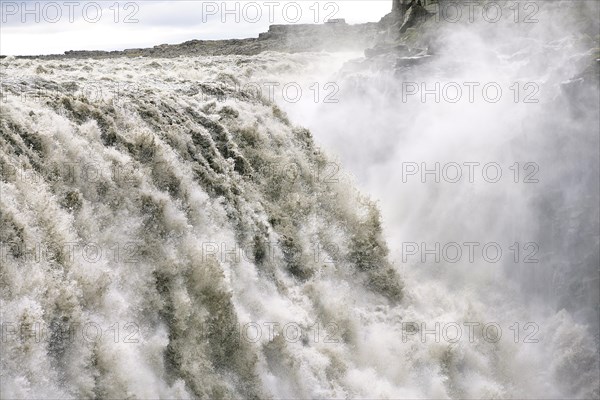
<point x="329" y="36"/>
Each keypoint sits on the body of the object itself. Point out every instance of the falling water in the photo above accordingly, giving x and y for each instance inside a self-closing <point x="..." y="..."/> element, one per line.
<point x="167" y="231"/>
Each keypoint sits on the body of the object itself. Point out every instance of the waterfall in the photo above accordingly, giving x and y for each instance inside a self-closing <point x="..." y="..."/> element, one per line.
<point x="168" y="229"/>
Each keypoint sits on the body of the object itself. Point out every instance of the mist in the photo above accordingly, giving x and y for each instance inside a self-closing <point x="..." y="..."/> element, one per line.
<point x="450" y="162"/>
<point x="421" y="222"/>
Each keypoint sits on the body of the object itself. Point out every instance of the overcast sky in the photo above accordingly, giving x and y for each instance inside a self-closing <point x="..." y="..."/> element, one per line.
<point x="52" y="27"/>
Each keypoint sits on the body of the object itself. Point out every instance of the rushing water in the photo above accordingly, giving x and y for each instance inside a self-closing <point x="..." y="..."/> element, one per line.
<point x="168" y="232"/>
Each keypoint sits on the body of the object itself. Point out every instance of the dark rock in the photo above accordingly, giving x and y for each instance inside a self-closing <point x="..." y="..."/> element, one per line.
<point x="415" y="13"/>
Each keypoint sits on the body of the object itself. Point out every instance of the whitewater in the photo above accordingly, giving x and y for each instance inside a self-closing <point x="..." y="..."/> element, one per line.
<point x="170" y="228"/>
